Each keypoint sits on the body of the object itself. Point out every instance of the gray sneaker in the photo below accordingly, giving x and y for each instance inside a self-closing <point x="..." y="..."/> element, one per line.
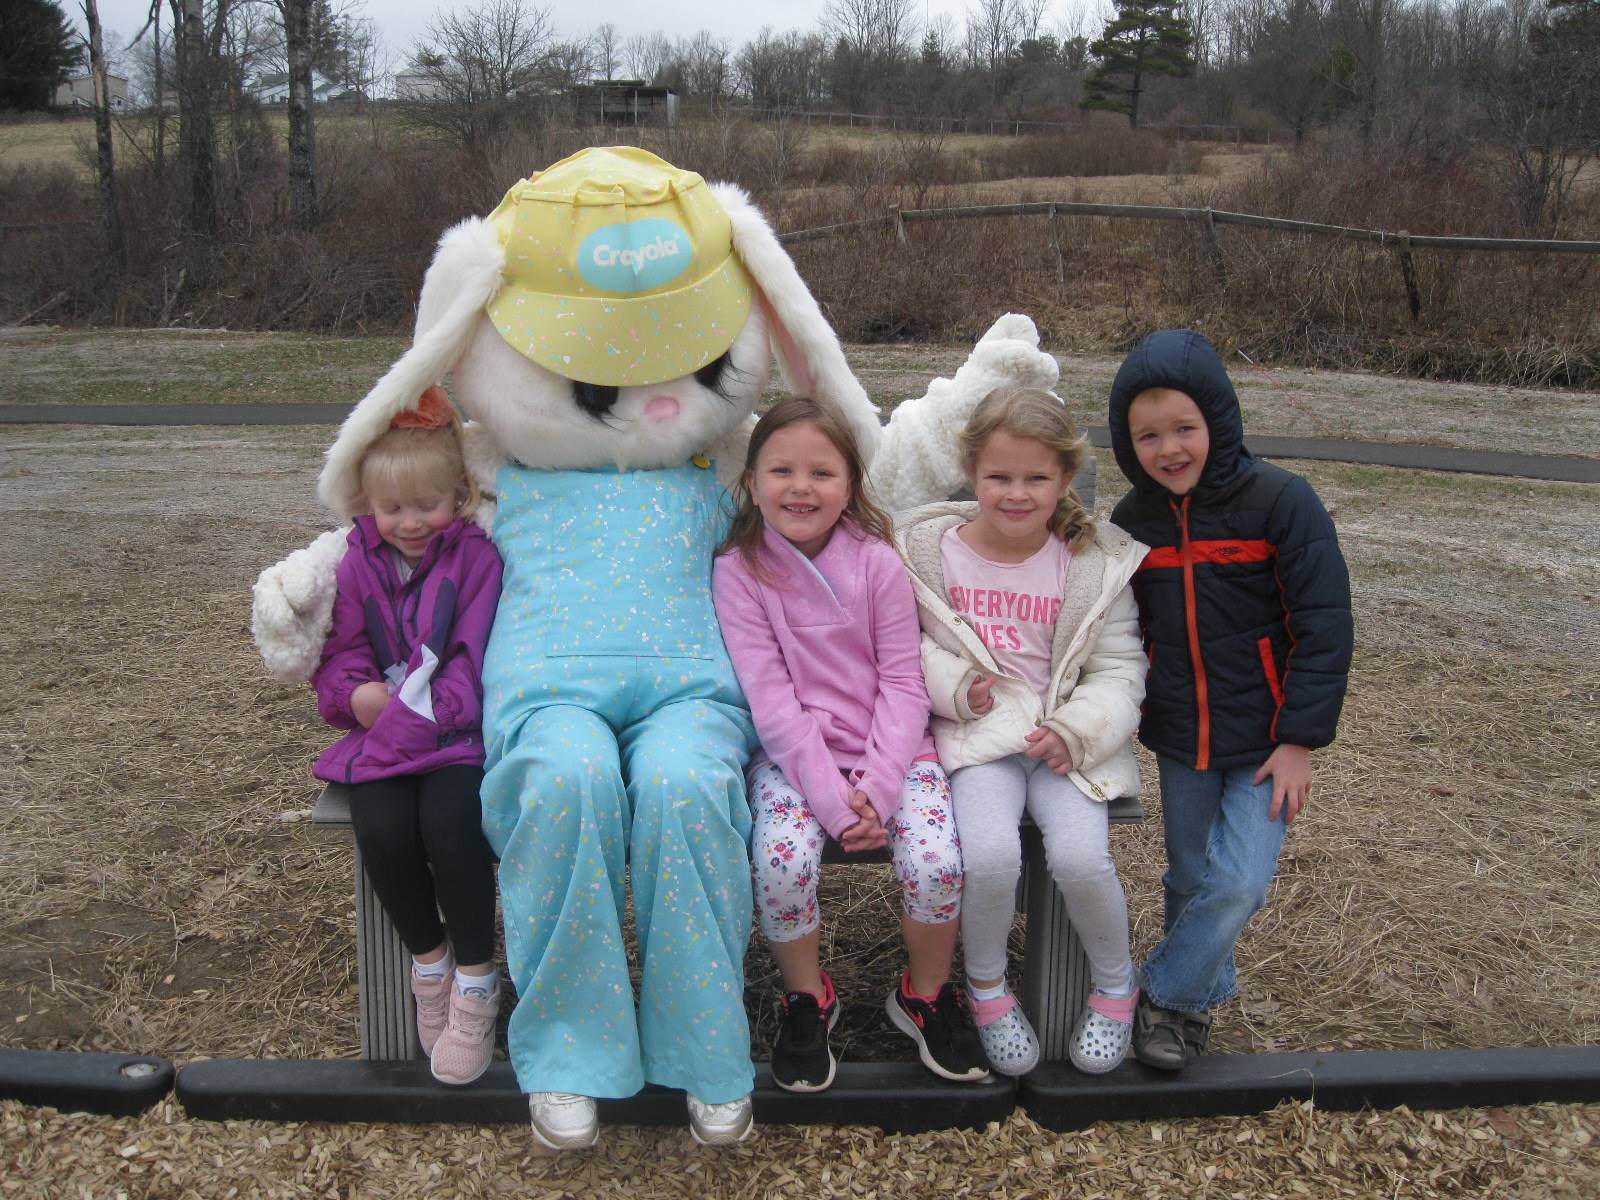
<point x="563" y="1121"/>
<point x="1165" y="1038"/>
<point x="721" y="1124"/>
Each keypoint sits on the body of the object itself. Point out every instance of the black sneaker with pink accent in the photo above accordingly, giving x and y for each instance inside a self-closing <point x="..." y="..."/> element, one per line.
<point x="801" y="1059"/>
<point x="946" y="1041"/>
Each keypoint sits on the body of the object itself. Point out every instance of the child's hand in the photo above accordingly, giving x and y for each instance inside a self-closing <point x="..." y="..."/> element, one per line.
<point x="868" y="833"/>
<point x="1048" y="745"/>
<point x="978" y="698"/>
<point x="1290" y="768"/>
<point x="367" y="702"/>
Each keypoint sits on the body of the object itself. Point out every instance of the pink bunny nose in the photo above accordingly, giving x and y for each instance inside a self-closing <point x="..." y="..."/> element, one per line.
<point x="661" y="408"/>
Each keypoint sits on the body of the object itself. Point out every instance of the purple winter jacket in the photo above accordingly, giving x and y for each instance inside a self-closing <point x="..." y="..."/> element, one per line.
<point x="425" y="638"/>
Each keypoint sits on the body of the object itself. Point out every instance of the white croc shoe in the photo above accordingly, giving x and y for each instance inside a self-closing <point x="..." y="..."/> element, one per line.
<point x="721" y="1124"/>
<point x="1008" y="1039"/>
<point x="563" y="1121"/>
<point x="1101" y="1038"/>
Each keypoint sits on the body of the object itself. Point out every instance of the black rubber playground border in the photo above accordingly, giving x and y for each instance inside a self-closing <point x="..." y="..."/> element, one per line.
<point x="904" y="1098"/>
<point x="896" y="1097"/>
<point x="115" y="1085"/>
<point x="1060" y="1098"/>
<point x="1553" y="467"/>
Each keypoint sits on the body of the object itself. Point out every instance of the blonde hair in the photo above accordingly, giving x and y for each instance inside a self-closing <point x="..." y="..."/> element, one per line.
<point x="860" y="510"/>
<point x="1039" y="417"/>
<point x="410" y="460"/>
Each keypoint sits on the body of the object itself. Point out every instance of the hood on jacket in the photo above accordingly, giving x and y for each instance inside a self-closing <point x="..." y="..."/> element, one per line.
<point x="1184" y="361"/>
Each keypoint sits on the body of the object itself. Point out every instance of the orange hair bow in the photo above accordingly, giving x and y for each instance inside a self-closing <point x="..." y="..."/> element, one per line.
<point x="433" y="411"/>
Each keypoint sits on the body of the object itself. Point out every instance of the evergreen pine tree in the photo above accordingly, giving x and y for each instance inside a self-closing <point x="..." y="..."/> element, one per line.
<point x="38" y="51"/>
<point x="1146" y="37"/>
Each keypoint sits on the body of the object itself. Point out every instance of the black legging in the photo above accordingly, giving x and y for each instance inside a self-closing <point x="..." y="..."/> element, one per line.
<point x="404" y="823"/>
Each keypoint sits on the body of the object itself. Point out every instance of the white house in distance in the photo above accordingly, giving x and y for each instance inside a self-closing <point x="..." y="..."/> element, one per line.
<point x="418" y="83"/>
<point x="273" y="89"/>
<point x="78" y="92"/>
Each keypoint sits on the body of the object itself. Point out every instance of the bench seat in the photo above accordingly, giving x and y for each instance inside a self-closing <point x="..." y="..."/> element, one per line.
<point x="1055" y="970"/>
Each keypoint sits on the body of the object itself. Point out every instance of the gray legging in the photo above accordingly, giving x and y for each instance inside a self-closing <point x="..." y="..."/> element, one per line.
<point x="989" y="802"/>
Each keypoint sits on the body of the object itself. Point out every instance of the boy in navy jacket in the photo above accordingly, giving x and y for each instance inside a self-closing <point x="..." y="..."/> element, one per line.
<point x="1244" y="601"/>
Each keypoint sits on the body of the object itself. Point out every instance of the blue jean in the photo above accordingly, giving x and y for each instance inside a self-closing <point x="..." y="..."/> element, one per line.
<point x="1222" y="852"/>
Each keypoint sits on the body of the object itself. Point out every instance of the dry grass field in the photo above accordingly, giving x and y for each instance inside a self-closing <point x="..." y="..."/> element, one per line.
<point x="69" y="141"/>
<point x="161" y="889"/>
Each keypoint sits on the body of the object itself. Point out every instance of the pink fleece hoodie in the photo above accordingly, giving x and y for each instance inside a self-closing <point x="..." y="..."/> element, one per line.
<point x="830" y="659"/>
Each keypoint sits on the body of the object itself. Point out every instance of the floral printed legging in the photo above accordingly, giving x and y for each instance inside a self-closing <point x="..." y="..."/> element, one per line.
<point x="786" y="851"/>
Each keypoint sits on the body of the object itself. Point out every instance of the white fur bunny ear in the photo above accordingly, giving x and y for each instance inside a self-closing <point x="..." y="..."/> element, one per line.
<point x="810" y="357"/>
<point x="920" y="461"/>
<point x="465" y="273"/>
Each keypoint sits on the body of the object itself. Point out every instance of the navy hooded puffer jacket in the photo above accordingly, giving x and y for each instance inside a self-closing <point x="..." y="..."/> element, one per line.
<point x="1244" y="598"/>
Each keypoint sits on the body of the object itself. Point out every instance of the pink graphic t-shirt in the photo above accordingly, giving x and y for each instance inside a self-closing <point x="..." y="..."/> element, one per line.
<point x="1011" y="606"/>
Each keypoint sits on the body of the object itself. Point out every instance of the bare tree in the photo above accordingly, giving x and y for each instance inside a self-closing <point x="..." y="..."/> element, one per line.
<point x="704" y="61"/>
<point x="991" y="38"/>
<point x="563" y="66"/>
<point x="1295" y="66"/>
<point x="477" y="61"/>
<point x="1542" y="111"/>
<point x="1029" y="15"/>
<point x="1363" y="27"/>
<point x="645" y="54"/>
<point x="781" y="71"/>
<point x="105" y="173"/>
<point x="197" y="142"/>
<point x="296" y="16"/>
<point x="607" y="43"/>
<point x="872" y="44"/>
<point x="366" y="62"/>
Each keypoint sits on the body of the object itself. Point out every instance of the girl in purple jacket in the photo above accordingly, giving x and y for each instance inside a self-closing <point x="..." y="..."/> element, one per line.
<point x="402" y="671"/>
<point x="817" y="613"/>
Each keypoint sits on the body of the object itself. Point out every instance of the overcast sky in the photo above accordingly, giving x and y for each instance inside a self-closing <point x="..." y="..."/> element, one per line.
<point x="402" y="23"/>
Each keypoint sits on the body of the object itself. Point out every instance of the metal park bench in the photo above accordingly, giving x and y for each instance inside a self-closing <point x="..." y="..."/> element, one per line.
<point x="1055" y="971"/>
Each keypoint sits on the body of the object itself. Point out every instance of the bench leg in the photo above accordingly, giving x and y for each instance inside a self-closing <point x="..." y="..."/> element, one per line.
<point x="388" y="1026"/>
<point x="1055" y="969"/>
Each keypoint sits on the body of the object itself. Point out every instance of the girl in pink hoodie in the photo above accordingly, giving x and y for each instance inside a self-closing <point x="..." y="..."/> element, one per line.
<point x="817" y="613"/>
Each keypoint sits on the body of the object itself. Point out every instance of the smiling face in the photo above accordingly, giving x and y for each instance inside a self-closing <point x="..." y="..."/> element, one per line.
<point x="409" y="518"/>
<point x="1170" y="438"/>
<point x="801" y="484"/>
<point x="1018" y="482"/>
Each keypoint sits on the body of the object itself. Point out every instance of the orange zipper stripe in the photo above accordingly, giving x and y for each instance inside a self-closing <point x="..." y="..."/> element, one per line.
<point x="1271" y="668"/>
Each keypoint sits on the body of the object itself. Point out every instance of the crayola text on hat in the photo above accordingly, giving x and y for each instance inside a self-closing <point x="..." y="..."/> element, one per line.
<point x="619" y="269"/>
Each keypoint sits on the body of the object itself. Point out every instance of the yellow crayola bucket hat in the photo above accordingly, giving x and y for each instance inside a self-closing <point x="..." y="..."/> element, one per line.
<point x="619" y="269"/>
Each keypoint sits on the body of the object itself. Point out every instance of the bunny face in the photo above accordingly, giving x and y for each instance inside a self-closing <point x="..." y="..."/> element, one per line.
<point x="544" y="421"/>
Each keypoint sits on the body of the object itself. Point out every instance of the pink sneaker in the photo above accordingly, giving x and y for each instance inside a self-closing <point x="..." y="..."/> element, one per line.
<point x="433" y="1006"/>
<point x="467" y="1044"/>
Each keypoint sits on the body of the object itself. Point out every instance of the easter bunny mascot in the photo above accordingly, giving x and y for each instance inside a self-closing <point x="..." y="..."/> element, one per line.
<point x="610" y="328"/>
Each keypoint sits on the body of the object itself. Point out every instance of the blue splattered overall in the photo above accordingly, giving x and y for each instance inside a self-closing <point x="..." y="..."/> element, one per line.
<point x="617" y="732"/>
